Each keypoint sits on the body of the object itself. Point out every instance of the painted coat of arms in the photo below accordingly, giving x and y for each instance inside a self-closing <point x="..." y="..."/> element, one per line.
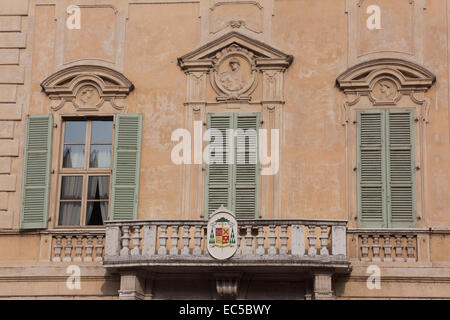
<point x="222" y="233"/>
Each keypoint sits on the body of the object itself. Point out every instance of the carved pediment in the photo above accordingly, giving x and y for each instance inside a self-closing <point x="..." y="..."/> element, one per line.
<point x="233" y="62"/>
<point x="383" y="82"/>
<point x="386" y="76"/>
<point x="265" y="54"/>
<point x="87" y="87"/>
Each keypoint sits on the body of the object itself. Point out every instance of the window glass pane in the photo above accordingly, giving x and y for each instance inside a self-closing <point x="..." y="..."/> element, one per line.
<point x="96" y="212"/>
<point x="71" y="188"/>
<point x="75" y="132"/>
<point x="100" y="156"/>
<point x="73" y="156"/>
<point x="69" y="213"/>
<point x="98" y="187"/>
<point x="101" y="132"/>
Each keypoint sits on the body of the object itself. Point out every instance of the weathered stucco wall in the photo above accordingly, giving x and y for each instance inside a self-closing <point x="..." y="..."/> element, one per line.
<point x="143" y="40"/>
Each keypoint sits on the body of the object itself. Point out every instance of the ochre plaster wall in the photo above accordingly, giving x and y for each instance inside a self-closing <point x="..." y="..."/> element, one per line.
<point x="143" y="41"/>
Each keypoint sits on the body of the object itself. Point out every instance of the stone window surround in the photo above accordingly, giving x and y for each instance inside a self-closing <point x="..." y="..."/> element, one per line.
<point x="268" y="65"/>
<point x="410" y="84"/>
<point x="85" y="172"/>
<point x="63" y="88"/>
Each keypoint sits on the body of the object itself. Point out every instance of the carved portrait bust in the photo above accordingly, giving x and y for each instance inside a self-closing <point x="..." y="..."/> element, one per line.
<point x="384" y="90"/>
<point x="87" y="97"/>
<point x="234" y="76"/>
<point x="233" y="79"/>
<point x="86" y="94"/>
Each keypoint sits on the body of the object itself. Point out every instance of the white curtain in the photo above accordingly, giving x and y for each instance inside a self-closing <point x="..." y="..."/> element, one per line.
<point x="73" y="156"/>
<point x="69" y="212"/>
<point x="97" y="211"/>
<point x="100" y="157"/>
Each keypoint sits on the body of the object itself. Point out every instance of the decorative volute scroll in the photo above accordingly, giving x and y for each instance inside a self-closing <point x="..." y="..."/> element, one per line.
<point x="384" y="82"/>
<point x="87" y="87"/>
<point x="233" y="62"/>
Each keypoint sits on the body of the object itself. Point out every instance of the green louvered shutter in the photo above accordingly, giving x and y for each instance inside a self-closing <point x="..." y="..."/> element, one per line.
<point x="36" y="172"/>
<point x="219" y="176"/>
<point x="371" y="169"/>
<point x="246" y="173"/>
<point x="400" y="169"/>
<point x="127" y="155"/>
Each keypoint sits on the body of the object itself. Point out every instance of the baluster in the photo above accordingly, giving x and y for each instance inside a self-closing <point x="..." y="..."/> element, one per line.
<point x="312" y="240"/>
<point x="272" y="241"/>
<point x="242" y="244"/>
<point x="283" y="239"/>
<point x="89" y="246"/>
<point x="248" y="249"/>
<point x="185" y="249"/>
<point x="125" y="251"/>
<point x="387" y="247"/>
<point x="163" y="241"/>
<point x="78" y="248"/>
<point x="398" y="248"/>
<point x="204" y="239"/>
<point x="58" y="247"/>
<point x="68" y="249"/>
<point x="174" y="238"/>
<point x="136" y="240"/>
<point x="99" y="248"/>
<point x="324" y="241"/>
<point x="238" y="242"/>
<point x="364" y="248"/>
<point x="260" y="241"/>
<point x="376" y="248"/>
<point x="197" y="241"/>
<point x="410" y="249"/>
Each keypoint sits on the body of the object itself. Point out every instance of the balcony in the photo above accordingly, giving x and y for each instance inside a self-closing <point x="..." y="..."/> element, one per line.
<point x="391" y="246"/>
<point x="76" y="245"/>
<point x="308" y="248"/>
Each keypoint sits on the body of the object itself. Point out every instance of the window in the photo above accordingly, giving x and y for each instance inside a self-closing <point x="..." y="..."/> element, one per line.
<point x="386" y="171"/>
<point x="85" y="172"/>
<point x="234" y="184"/>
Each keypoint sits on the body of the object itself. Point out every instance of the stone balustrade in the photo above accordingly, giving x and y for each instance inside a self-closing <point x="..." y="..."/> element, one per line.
<point x="386" y="245"/>
<point x="77" y="245"/>
<point x="258" y="240"/>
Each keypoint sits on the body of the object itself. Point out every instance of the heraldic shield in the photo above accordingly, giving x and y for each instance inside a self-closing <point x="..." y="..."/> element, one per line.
<point x="222" y="234"/>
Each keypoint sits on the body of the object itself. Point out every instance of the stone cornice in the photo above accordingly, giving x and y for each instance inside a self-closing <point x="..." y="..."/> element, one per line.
<point x="408" y="75"/>
<point x="107" y="85"/>
<point x="265" y="55"/>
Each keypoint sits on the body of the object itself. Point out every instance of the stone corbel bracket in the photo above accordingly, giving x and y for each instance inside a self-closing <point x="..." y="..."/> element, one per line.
<point x="97" y="83"/>
<point x="385" y="81"/>
<point x="227" y="285"/>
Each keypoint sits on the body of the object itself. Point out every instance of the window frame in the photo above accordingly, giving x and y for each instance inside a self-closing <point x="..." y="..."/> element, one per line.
<point x="232" y="167"/>
<point x="86" y="171"/>
<point x="387" y="222"/>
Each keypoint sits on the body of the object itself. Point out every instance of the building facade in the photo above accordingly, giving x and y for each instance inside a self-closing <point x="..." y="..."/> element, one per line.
<point x="333" y="115"/>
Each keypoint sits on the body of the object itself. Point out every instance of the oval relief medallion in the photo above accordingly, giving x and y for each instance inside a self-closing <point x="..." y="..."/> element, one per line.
<point x="235" y="75"/>
<point x="222" y="234"/>
<point x="385" y="90"/>
<point x="87" y="98"/>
